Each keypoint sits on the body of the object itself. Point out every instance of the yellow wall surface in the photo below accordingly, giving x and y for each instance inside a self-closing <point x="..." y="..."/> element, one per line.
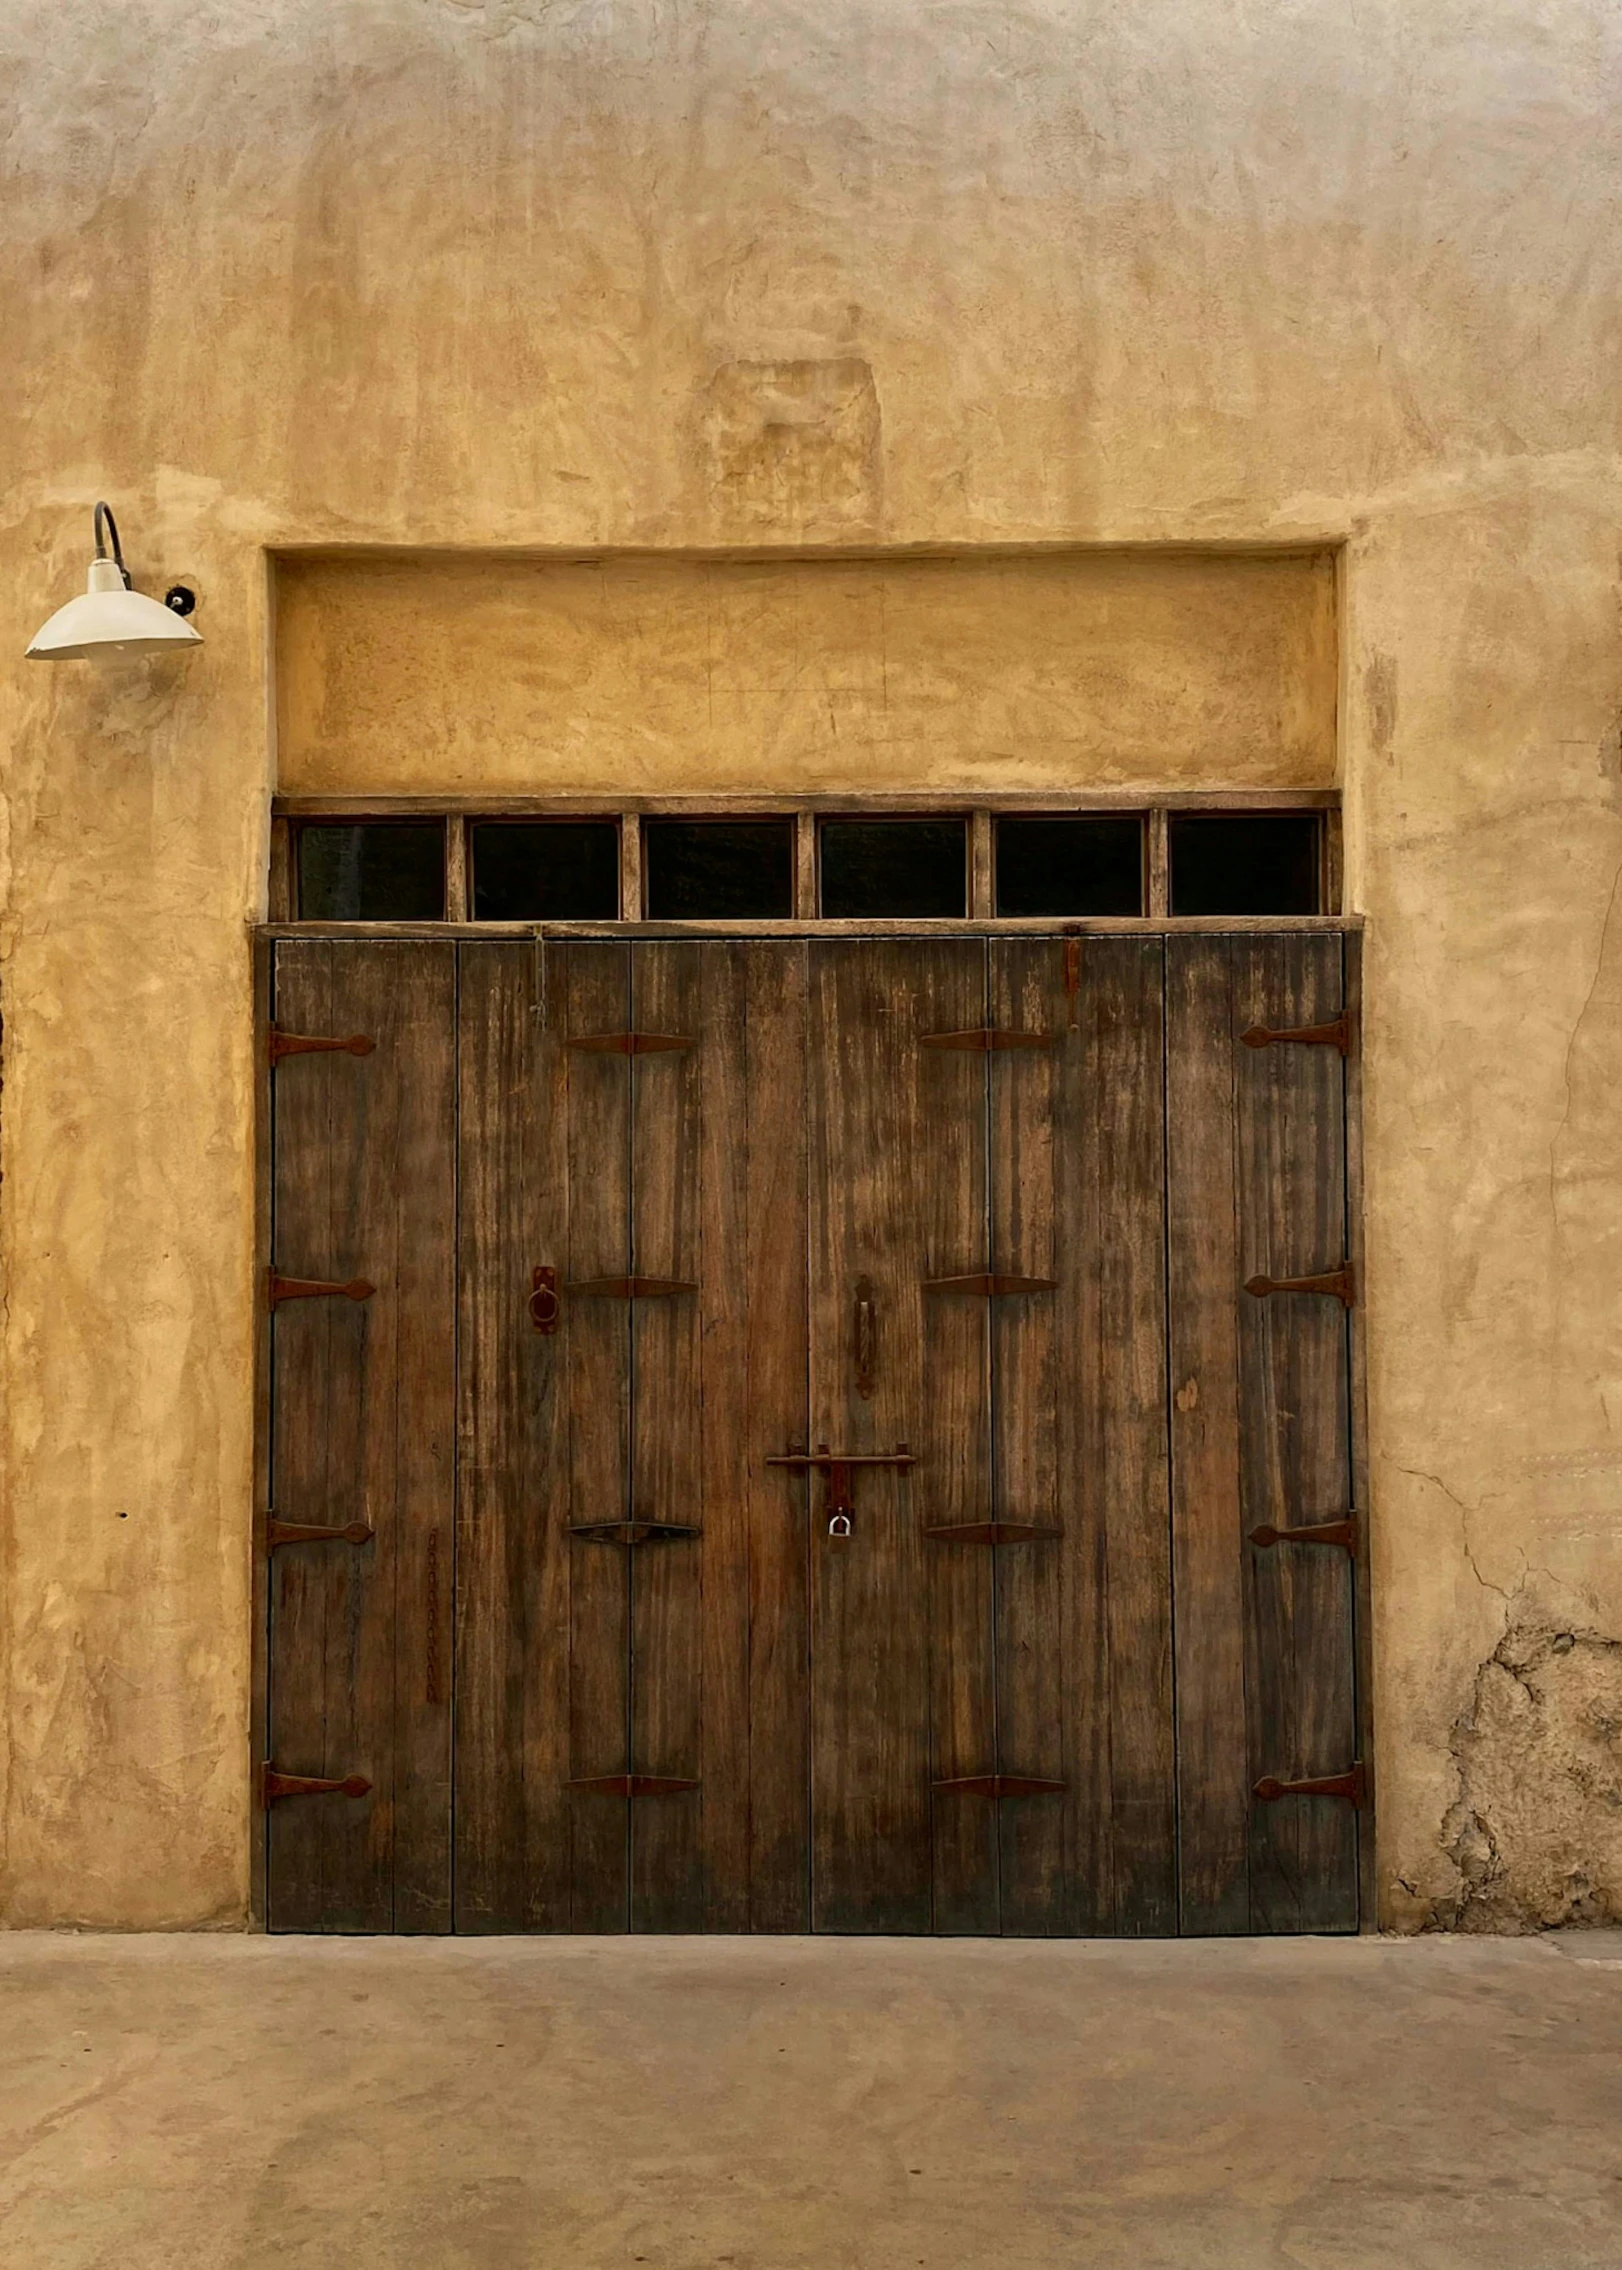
<point x="561" y="277"/>
<point x="1055" y="671"/>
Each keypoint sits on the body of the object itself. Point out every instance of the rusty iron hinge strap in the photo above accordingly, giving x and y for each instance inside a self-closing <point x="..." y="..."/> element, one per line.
<point x="279" y="1288"/>
<point x="280" y="1044"/>
<point x="991" y="1285"/>
<point x="1338" y="1282"/>
<point x="629" y="1044"/>
<point x="631" y="1785"/>
<point x="1000" y="1785"/>
<point x="628" y="1288"/>
<point x="987" y="1040"/>
<point x="631" y="1532"/>
<point x="1310" y="1533"/>
<point x="279" y="1533"/>
<point x="1352" y="1785"/>
<point x="275" y="1785"/>
<point x="990" y="1532"/>
<point x="1337" y="1033"/>
<point x="823" y="1458"/>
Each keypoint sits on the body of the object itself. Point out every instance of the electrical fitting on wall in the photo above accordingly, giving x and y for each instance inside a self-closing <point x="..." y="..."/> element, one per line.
<point x="112" y="618"/>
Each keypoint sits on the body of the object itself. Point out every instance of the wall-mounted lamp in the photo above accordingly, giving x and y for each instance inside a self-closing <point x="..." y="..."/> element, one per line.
<point x="112" y="619"/>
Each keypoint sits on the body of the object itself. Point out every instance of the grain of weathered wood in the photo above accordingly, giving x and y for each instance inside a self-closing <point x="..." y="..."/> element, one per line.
<point x="1084" y="1623"/>
<point x="774" y="1414"/>
<point x="595" y="1338"/>
<point x="901" y="1690"/>
<point x="514" y="1557"/>
<point x="1261" y="1435"/>
<point x="1295" y="1439"/>
<point x="1213" y="1752"/>
<point x="363" y="1429"/>
<point x="690" y="1604"/>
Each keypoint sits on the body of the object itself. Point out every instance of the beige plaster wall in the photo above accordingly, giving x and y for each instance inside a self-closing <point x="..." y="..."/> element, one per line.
<point x="566" y="273"/>
<point x="1055" y="670"/>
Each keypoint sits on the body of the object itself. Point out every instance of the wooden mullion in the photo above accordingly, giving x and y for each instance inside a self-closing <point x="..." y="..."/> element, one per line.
<point x="282" y="905"/>
<point x="1333" y="861"/>
<point x="805" y="866"/>
<point x="1159" y="864"/>
<point x="457" y="900"/>
<point x="982" y="883"/>
<point x="630" y="866"/>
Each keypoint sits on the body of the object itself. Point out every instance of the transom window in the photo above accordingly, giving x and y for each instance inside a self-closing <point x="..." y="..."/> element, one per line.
<point x="339" y="861"/>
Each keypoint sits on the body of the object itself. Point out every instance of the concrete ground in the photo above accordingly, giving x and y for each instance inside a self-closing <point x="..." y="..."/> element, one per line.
<point x="509" y="2104"/>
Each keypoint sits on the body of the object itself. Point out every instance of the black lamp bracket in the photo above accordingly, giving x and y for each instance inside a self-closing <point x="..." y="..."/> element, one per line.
<point x="103" y="520"/>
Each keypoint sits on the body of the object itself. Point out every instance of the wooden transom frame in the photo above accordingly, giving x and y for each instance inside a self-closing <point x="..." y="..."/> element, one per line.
<point x="979" y="811"/>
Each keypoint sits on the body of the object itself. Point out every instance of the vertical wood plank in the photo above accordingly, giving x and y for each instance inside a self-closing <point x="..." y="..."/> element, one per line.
<point x="1213" y="1748"/>
<point x="901" y="1690"/>
<point x="718" y="1181"/>
<point x="1261" y="1434"/>
<point x="363" y="1429"/>
<point x="1084" y="1655"/>
<point x="775" y="1413"/>
<point x="596" y="1335"/>
<point x="689" y="1849"/>
<point x="1295" y="1438"/>
<point x="513" y="1811"/>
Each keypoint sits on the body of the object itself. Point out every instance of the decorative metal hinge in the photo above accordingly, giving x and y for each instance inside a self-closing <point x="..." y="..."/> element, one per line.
<point x="1336" y="1034"/>
<point x="278" y="1533"/>
<point x="282" y="1044"/>
<point x="1311" y="1533"/>
<point x="987" y="1040"/>
<point x="631" y="1785"/>
<point x="1000" y="1785"/>
<point x="631" y="1532"/>
<point x="1352" y="1785"/>
<point x="989" y="1532"/>
<point x="1340" y="1282"/>
<point x="629" y="1044"/>
<point x="275" y="1785"/>
<point x="628" y="1288"/>
<point x="989" y="1285"/>
<point x="279" y="1288"/>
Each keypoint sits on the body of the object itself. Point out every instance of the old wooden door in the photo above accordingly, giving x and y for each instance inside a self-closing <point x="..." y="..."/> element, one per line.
<point x="807" y="1431"/>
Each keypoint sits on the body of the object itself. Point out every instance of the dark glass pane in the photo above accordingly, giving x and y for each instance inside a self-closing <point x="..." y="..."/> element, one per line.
<point x="372" y="871"/>
<point x="1089" y="864"/>
<point x="1234" y="864"/>
<point x="718" y="870"/>
<point x="893" y="868"/>
<point x="546" y="871"/>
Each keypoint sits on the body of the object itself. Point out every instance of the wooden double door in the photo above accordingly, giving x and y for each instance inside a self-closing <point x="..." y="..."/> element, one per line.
<point x="772" y="1434"/>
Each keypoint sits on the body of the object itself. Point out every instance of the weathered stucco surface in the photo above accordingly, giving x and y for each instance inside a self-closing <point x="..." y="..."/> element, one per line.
<point x="566" y="273"/>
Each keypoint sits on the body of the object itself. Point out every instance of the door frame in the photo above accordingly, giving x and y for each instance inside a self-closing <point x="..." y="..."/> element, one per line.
<point x="264" y="937"/>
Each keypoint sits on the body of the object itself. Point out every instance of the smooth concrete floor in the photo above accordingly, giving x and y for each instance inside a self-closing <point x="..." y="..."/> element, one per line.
<point x="782" y="2104"/>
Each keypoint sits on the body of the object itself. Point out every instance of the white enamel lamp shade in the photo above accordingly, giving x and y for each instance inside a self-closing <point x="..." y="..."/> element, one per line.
<point x="111" y="620"/>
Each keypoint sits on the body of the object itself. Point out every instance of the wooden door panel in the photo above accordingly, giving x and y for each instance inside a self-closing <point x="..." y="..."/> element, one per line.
<point x="1084" y="1619"/>
<point x="542" y="1617"/>
<point x="363" y="1422"/>
<point x="1261" y="1434"/>
<point x="720" y="1382"/>
<point x="901" y="1669"/>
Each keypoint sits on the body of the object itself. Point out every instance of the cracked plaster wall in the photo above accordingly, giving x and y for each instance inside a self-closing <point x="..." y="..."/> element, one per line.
<point x="604" y="272"/>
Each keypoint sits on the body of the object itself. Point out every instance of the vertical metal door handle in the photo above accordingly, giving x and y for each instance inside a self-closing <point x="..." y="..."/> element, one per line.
<point x="865" y="1333"/>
